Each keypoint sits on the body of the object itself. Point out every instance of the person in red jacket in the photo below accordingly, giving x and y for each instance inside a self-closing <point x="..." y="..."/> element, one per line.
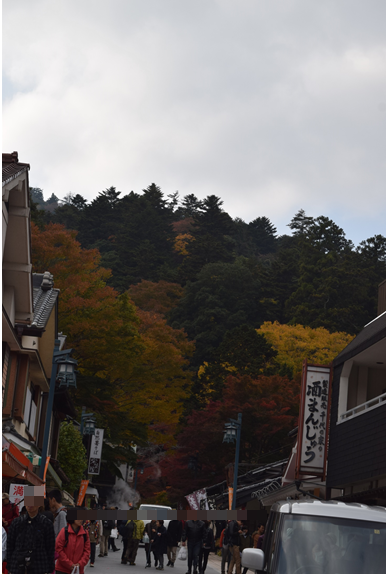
<point x="75" y="551"/>
<point x="10" y="511"/>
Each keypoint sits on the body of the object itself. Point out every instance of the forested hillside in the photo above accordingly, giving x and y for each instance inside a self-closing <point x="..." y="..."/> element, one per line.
<point x="197" y="311"/>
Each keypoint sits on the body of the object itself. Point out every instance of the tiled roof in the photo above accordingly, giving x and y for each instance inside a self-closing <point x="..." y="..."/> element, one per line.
<point x="44" y="298"/>
<point x="12" y="167"/>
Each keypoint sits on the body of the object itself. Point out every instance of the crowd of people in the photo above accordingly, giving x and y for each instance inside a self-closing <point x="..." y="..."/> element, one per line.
<point x="44" y="539"/>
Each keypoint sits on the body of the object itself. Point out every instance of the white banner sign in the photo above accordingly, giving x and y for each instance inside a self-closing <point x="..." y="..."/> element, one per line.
<point x="313" y="429"/>
<point x="198" y="500"/>
<point x="16" y="495"/>
<point x="94" y="464"/>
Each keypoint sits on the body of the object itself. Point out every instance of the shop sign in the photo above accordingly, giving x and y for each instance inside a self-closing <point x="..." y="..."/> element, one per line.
<point x="314" y="420"/>
<point x="94" y="464"/>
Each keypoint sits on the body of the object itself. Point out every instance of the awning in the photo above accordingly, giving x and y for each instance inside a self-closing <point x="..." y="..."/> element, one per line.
<point x="16" y="465"/>
<point x="92" y="492"/>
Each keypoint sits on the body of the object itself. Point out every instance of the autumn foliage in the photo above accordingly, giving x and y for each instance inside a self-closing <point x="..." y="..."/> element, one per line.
<point x="294" y="343"/>
<point x="131" y="362"/>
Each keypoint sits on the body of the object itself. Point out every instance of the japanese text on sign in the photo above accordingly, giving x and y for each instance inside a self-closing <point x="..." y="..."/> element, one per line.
<point x="315" y="396"/>
<point x="96" y="452"/>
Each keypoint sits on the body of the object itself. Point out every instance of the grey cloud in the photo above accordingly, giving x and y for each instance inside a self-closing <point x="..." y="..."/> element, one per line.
<point x="272" y="106"/>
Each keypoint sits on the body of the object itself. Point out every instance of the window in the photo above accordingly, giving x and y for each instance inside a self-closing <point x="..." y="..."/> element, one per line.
<point x="30" y="408"/>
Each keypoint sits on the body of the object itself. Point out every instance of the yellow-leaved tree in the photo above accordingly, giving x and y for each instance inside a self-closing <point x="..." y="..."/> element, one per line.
<point x="294" y="343"/>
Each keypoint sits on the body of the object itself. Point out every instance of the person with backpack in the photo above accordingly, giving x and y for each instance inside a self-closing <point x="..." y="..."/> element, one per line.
<point x="58" y="510"/>
<point x="136" y="530"/>
<point x="92" y="529"/>
<point x="73" y="547"/>
<point x="31" y="540"/>
<point x="106" y="528"/>
<point x="10" y="511"/>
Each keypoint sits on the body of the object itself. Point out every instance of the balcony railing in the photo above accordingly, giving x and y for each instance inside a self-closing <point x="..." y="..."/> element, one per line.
<point x="364" y="407"/>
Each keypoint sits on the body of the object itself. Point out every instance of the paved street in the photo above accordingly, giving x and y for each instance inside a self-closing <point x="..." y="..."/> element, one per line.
<point x="112" y="564"/>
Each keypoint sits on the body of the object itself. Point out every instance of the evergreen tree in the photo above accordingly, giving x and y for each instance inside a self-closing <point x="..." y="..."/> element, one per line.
<point x="224" y="296"/>
<point x="242" y="351"/>
<point x="264" y="235"/>
<point x="212" y="242"/>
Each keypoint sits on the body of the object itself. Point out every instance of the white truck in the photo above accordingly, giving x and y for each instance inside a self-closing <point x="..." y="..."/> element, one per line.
<point x="321" y="537"/>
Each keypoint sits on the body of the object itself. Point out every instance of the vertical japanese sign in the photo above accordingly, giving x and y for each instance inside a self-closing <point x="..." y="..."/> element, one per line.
<point x="94" y="464"/>
<point x="82" y="492"/>
<point x="314" y="420"/>
<point x="16" y="495"/>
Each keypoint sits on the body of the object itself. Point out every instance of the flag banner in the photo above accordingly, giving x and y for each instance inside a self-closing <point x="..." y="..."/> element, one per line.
<point x="82" y="492"/>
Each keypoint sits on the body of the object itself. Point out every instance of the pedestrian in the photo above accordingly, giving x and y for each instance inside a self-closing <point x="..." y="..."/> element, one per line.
<point x="207" y="546"/>
<point x="58" y="510"/>
<point x="225" y="549"/>
<point x="235" y="529"/>
<point x="258" y="536"/>
<point x="31" y="538"/>
<point x="193" y="534"/>
<point x="10" y="511"/>
<point x="160" y="543"/>
<point x="148" y="535"/>
<point x="113" y="535"/>
<point x="124" y="532"/>
<point x="73" y="547"/>
<point x="106" y="528"/>
<point x="137" y="528"/>
<point x="4" y="551"/>
<point x="173" y="537"/>
<point x="45" y="510"/>
<point x="245" y="541"/>
<point x="92" y="528"/>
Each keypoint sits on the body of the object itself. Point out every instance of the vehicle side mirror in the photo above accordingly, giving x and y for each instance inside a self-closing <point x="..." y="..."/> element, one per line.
<point x="252" y="558"/>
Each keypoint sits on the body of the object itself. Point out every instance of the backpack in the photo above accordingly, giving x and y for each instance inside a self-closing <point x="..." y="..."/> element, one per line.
<point x="127" y="530"/>
<point x="67" y="534"/>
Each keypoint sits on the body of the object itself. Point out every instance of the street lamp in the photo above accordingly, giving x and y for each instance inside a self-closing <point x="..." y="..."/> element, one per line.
<point x="232" y="432"/>
<point x="66" y="375"/>
<point x="66" y="378"/>
<point x="87" y="423"/>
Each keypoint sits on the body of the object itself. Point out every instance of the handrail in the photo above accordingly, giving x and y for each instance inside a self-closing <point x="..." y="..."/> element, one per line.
<point x="359" y="409"/>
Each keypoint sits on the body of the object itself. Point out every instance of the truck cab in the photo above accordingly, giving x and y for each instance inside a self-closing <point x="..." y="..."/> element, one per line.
<point x="321" y="537"/>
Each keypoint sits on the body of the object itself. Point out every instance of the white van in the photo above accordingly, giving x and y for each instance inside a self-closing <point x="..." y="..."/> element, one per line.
<point x="321" y="537"/>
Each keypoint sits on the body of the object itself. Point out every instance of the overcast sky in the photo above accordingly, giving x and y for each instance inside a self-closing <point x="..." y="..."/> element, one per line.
<point x="272" y="105"/>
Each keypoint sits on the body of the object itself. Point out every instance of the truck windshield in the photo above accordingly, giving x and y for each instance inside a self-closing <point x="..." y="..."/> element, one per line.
<point x="319" y="545"/>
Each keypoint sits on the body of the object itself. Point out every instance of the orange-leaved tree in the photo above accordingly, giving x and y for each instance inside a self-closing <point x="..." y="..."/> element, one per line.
<point x="162" y="377"/>
<point x="158" y="297"/>
<point x="101" y="325"/>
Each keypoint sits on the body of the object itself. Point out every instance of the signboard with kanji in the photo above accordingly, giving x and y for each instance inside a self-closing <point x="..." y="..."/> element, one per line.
<point x="94" y="463"/>
<point x="16" y="495"/>
<point x="82" y="492"/>
<point x="314" y="420"/>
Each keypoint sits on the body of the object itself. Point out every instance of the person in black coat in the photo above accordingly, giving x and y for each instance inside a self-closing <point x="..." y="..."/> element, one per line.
<point x="159" y="543"/>
<point x="207" y="546"/>
<point x="173" y="537"/>
<point x="193" y="533"/>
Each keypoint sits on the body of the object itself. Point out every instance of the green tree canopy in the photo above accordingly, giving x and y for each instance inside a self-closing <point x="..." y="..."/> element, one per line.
<point x="72" y="454"/>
